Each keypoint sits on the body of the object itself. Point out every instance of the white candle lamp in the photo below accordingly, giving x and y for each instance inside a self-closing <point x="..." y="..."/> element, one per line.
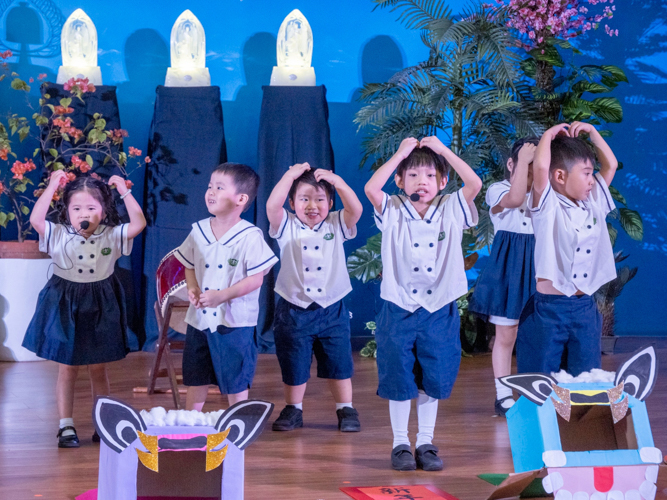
<point x="78" y="44"/>
<point x="295" y="52"/>
<point x="188" y="53"/>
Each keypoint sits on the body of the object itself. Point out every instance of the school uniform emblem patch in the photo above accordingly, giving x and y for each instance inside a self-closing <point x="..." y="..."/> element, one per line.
<point x="328" y="236"/>
<point x="232" y="262"/>
<point x="441" y="236"/>
<point x="106" y="251"/>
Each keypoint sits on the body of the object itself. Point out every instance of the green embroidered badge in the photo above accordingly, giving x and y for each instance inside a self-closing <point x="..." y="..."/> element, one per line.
<point x="441" y="236"/>
<point x="328" y="236"/>
<point x="106" y="251"/>
<point x="233" y="262"/>
<point x="595" y="221"/>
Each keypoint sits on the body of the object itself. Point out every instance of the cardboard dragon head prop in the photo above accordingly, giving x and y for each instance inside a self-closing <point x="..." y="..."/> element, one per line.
<point x="176" y="461"/>
<point x="589" y="437"/>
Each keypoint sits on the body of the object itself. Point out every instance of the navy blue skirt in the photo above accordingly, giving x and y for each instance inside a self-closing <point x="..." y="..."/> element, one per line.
<point x="79" y="323"/>
<point x="508" y="280"/>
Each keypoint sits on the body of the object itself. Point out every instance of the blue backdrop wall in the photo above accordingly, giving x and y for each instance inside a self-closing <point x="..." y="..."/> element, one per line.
<point x="352" y="45"/>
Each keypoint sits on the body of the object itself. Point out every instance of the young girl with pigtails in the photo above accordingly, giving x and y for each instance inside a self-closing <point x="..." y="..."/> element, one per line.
<point x="508" y="280"/>
<point x="80" y="317"/>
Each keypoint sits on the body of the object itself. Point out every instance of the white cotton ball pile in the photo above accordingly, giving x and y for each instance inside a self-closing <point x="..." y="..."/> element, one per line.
<point x="159" y="417"/>
<point x="595" y="375"/>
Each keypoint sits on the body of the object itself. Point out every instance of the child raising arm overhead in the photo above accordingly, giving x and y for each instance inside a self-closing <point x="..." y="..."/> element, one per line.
<point x="80" y="317"/>
<point x="422" y="276"/>
<point x="573" y="255"/>
<point x="508" y="279"/>
<point x="311" y="317"/>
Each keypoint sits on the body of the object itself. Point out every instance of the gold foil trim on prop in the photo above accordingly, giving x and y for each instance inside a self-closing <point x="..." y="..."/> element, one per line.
<point x="215" y="458"/>
<point x="150" y="459"/>
<point x="562" y="406"/>
<point x="619" y="410"/>
<point x="615" y="393"/>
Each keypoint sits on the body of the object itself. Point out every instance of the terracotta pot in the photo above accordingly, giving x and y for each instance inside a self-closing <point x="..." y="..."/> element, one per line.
<point x="28" y="249"/>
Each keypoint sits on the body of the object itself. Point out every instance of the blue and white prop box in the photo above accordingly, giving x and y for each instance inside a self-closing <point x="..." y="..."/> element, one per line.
<point x="175" y="454"/>
<point x="585" y="438"/>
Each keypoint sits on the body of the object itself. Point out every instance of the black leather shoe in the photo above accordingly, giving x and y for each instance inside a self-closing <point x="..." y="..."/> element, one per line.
<point x="402" y="458"/>
<point x="427" y="458"/>
<point x="289" y="419"/>
<point x="96" y="437"/>
<point x="500" y="409"/>
<point x="348" y="420"/>
<point x="71" y="441"/>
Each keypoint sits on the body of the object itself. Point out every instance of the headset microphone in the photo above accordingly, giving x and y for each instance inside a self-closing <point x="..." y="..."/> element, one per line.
<point x="85" y="225"/>
<point x="414" y="197"/>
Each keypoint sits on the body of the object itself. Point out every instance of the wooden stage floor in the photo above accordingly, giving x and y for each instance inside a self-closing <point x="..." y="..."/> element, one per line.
<point x="307" y="464"/>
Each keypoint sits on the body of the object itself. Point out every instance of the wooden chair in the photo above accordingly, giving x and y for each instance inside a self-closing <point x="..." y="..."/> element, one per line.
<point x="170" y="310"/>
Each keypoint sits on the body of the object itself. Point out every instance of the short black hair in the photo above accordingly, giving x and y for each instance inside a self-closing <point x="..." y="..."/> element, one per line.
<point x="514" y="153"/>
<point x="567" y="151"/>
<point x="308" y="177"/>
<point x="423" y="157"/>
<point x="98" y="189"/>
<point x="245" y="179"/>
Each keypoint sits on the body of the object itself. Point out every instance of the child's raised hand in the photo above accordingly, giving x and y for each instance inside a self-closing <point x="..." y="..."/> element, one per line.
<point x="322" y="174"/>
<point x="119" y="183"/>
<point x="295" y="171"/>
<point x="527" y="153"/>
<point x="434" y="144"/>
<point x="578" y="128"/>
<point x="406" y="147"/>
<point x="556" y="130"/>
<point x="58" y="179"/>
<point x="193" y="297"/>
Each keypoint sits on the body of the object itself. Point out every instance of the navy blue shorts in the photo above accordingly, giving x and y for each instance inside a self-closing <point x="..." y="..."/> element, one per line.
<point x="324" y="331"/>
<point x="548" y="324"/>
<point x="226" y="358"/>
<point x="417" y="351"/>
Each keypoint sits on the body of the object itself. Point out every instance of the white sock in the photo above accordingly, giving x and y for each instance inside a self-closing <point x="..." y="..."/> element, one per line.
<point x="340" y="406"/>
<point x="399" y="413"/>
<point x="427" y="412"/>
<point x="502" y="391"/>
<point x="297" y="405"/>
<point x="64" y="422"/>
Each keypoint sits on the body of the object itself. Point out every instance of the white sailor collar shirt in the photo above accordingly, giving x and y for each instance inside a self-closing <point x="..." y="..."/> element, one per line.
<point x="82" y="260"/>
<point x="572" y="244"/>
<point x="221" y="263"/>
<point x="513" y="220"/>
<point x="312" y="261"/>
<point x="422" y="259"/>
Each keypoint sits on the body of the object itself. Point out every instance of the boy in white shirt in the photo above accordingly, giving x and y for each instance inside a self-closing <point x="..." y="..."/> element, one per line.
<point x="418" y="328"/>
<point x="573" y="256"/>
<point x="225" y="259"/>
<point x="310" y="314"/>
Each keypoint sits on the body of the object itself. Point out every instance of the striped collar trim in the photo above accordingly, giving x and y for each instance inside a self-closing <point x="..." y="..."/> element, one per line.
<point x="433" y="212"/>
<point x="315" y="228"/>
<point x="565" y="201"/>
<point x="237" y="232"/>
